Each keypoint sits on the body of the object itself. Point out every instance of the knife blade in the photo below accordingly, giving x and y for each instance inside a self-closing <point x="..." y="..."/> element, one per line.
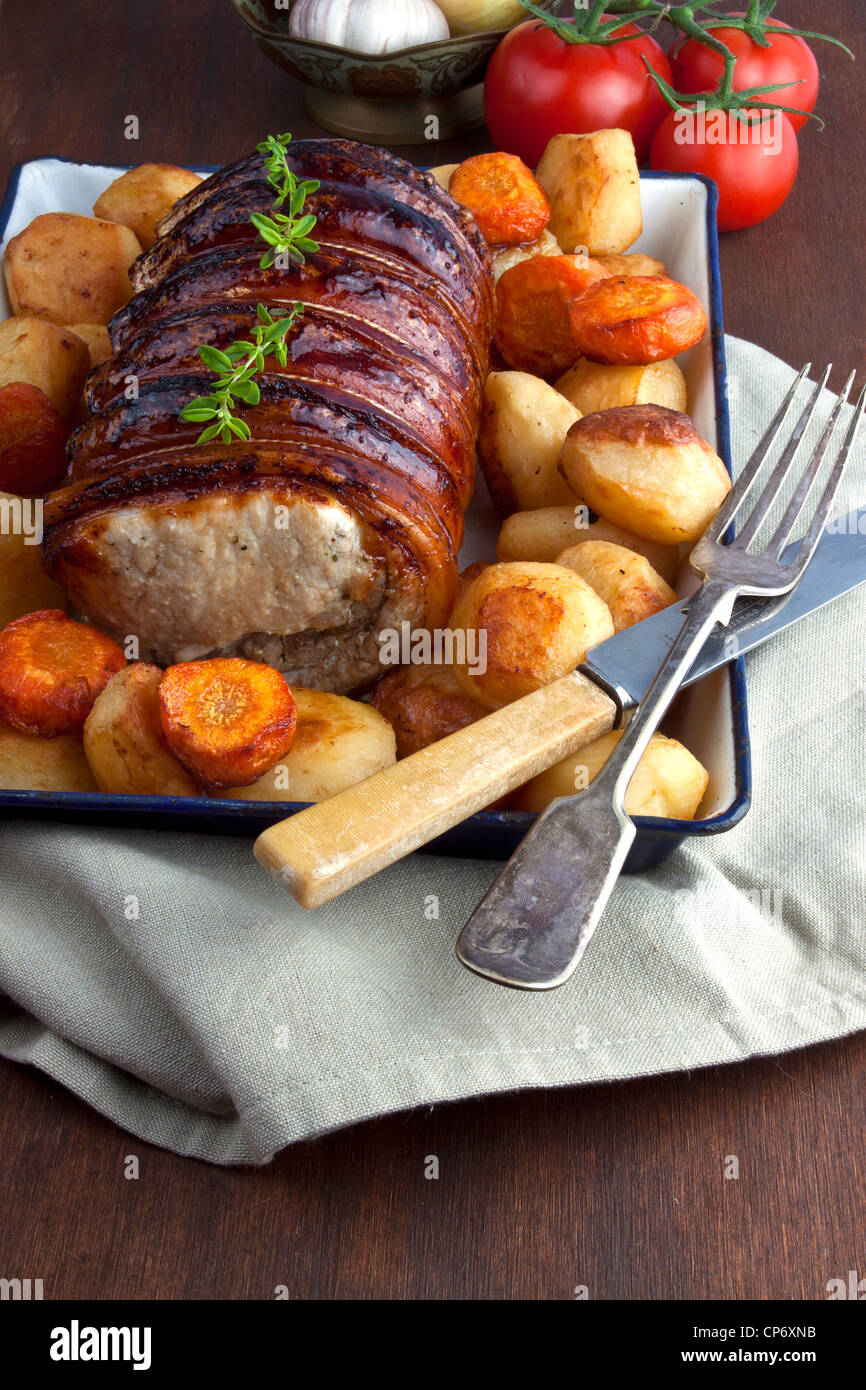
<point x="624" y="665"/>
<point x="326" y="848"/>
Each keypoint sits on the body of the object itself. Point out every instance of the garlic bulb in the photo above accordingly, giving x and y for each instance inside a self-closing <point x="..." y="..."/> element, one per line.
<point x="368" y="26"/>
<point x="477" y="16"/>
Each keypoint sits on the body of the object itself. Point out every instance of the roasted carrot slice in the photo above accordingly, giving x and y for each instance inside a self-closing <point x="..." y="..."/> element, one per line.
<point x="637" y="319"/>
<point x="533" y="301"/>
<point x="504" y="197"/>
<point x="32" y="441"/>
<point x="51" y="671"/>
<point x="227" y="720"/>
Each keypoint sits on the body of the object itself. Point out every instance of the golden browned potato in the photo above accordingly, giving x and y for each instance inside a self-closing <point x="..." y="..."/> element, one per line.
<point x="540" y="534"/>
<point x="52" y="358"/>
<point x="593" y="185"/>
<point x="124" y="742"/>
<point x="141" y="197"/>
<point x="70" y="269"/>
<point x="544" y="533"/>
<point x="635" y="263"/>
<point x="524" y="422"/>
<point x="95" y="335"/>
<point x="592" y="386"/>
<point x="423" y="704"/>
<point x="508" y="256"/>
<point x="442" y="174"/>
<point x="28" y="763"/>
<point x="338" y="742"/>
<point x="538" y="622"/>
<point x="646" y="469"/>
<point x="24" y="585"/>
<point x="470" y="573"/>
<point x="668" y="782"/>
<point x="626" y="581"/>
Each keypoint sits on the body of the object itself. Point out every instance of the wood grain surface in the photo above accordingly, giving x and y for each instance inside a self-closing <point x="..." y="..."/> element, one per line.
<point x="618" y="1187"/>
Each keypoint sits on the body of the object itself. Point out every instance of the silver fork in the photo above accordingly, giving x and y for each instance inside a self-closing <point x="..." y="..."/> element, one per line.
<point x="533" y="925"/>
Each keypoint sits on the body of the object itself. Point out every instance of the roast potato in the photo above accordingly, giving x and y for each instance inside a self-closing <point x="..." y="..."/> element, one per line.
<point x="544" y="533"/>
<point x="593" y="185"/>
<point x="423" y="704"/>
<point x="97" y="339"/>
<point x="668" y="782"/>
<point x="646" y="469"/>
<point x="442" y="174"/>
<point x="627" y="582"/>
<point x="29" y="763"/>
<point x="664" y="559"/>
<point x="24" y="585"/>
<point x="540" y="534"/>
<point x="539" y="621"/>
<point x="70" y="269"/>
<point x="141" y="197"/>
<point x="470" y="573"/>
<point x="337" y="743"/>
<point x="635" y="263"/>
<point x="507" y="256"/>
<point x="592" y="386"/>
<point x="124" y="742"/>
<point x="524" y="422"/>
<point x="42" y="354"/>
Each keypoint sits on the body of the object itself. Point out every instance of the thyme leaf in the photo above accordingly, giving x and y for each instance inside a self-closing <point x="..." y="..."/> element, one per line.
<point x="286" y="233"/>
<point x="237" y="365"/>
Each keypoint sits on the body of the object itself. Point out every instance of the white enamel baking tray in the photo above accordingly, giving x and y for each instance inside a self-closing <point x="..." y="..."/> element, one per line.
<point x="710" y="718"/>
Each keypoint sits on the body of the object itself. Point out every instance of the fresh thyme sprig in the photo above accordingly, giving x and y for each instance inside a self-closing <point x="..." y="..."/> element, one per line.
<point x="237" y="366"/>
<point x="285" y="233"/>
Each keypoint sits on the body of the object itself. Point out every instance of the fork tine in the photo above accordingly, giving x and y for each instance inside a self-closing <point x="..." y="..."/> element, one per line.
<point x="813" y="535"/>
<point x="744" y="482"/>
<point x="777" y="478"/>
<point x="804" y="486"/>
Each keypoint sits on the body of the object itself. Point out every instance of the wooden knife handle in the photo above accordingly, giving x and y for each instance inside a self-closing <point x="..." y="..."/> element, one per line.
<point x="320" y="852"/>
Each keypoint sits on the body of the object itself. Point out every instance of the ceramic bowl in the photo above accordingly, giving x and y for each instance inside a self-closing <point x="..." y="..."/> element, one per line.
<point x="428" y="92"/>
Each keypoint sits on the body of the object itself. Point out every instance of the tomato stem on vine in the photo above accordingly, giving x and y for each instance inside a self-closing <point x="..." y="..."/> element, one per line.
<point x="754" y="20"/>
<point x="757" y="28"/>
<point x="740" y="102"/>
<point x="586" y="27"/>
<point x="595" y="16"/>
<point x="685" y="19"/>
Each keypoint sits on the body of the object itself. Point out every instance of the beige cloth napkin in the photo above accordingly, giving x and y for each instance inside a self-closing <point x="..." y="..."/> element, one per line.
<point x="221" y="1021"/>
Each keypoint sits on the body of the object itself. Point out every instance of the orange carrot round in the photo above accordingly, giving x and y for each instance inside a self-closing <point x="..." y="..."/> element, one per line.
<point x="533" y="301"/>
<point x="51" y="671"/>
<point x="637" y="319"/>
<point x="227" y="720"/>
<point x="504" y="197"/>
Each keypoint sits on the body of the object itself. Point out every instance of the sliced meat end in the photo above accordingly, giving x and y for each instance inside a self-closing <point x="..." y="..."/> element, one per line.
<point x="295" y="580"/>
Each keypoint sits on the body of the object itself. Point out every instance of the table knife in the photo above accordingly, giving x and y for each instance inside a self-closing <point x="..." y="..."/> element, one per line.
<point x="322" y="851"/>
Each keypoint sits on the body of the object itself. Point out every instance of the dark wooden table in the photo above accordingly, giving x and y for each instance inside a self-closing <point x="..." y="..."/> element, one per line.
<point x="618" y="1187"/>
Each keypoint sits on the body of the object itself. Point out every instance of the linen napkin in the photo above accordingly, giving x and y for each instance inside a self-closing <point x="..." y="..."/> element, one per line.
<point x="167" y="981"/>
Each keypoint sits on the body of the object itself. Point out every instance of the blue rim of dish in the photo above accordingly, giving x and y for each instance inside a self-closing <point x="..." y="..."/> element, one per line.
<point x="215" y="812"/>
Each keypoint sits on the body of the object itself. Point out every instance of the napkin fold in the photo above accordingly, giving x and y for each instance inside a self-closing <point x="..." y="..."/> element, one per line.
<point x="167" y="981"/>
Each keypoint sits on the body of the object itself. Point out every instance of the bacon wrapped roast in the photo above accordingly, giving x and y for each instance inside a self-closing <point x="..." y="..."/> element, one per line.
<point x="342" y="515"/>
